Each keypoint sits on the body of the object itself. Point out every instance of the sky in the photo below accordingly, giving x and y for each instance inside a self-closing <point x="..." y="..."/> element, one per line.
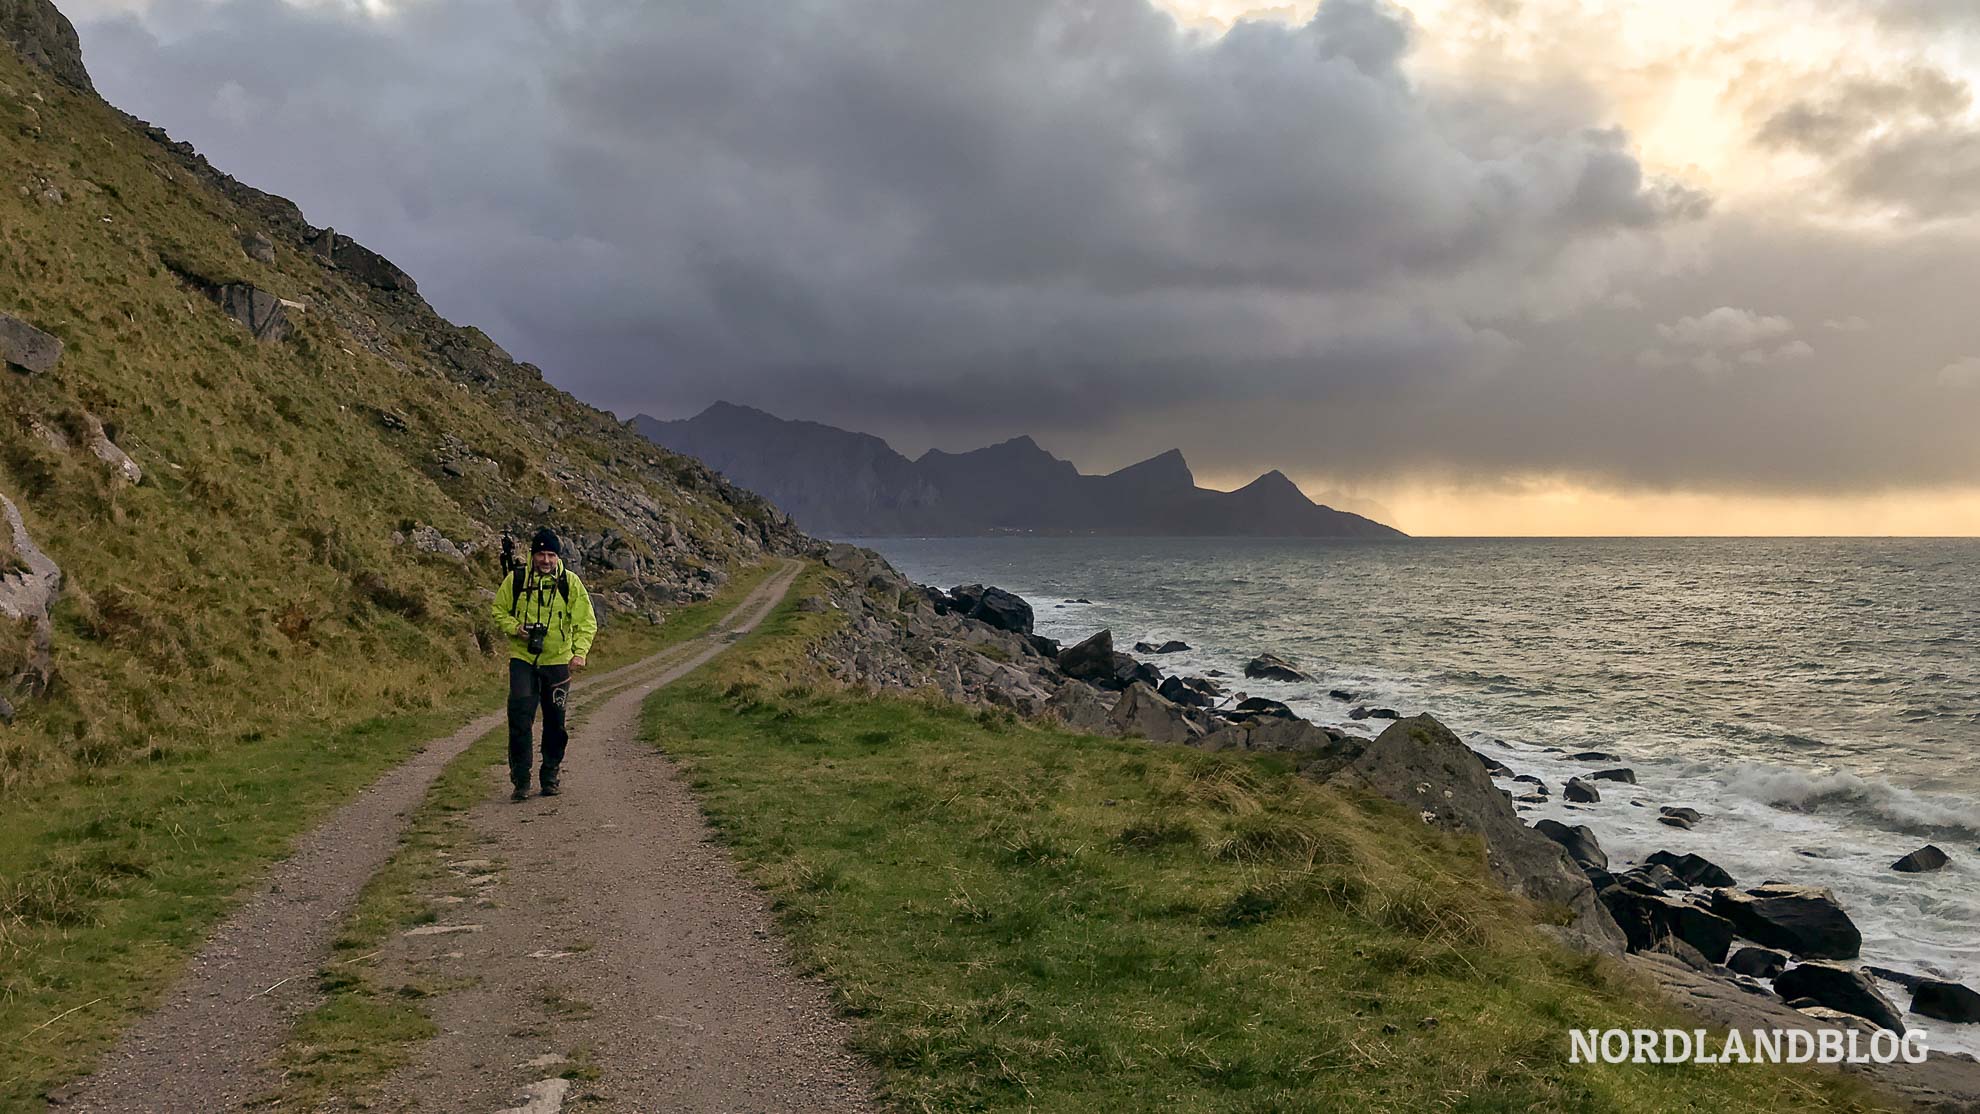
<point x="1474" y="266"/>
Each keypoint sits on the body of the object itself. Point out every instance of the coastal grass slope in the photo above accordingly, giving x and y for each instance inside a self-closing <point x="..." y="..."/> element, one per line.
<point x="1028" y="919"/>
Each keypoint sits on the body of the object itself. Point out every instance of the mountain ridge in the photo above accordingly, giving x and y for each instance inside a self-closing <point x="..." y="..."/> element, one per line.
<point x="843" y="483"/>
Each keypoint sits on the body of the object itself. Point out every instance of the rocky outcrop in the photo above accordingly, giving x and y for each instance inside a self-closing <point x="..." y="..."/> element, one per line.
<point x="1580" y="792"/>
<point x="1839" y="988"/>
<point x="1001" y="609"/>
<point x="1805" y="921"/>
<point x="45" y="38"/>
<point x="263" y="313"/>
<point x="1648" y="915"/>
<point x="26" y="348"/>
<point x="98" y="442"/>
<point x="1419" y="763"/>
<point x="358" y="261"/>
<point x="29" y="588"/>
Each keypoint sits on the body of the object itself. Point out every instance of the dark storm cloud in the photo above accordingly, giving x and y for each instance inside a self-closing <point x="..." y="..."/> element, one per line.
<point x="1903" y="141"/>
<point x="961" y="221"/>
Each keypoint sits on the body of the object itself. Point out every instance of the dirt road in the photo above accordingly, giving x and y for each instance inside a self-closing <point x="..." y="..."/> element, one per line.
<point x="618" y="933"/>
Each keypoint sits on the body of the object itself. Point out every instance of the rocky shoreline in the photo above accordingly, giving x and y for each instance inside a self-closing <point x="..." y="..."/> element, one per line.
<point x="1738" y="952"/>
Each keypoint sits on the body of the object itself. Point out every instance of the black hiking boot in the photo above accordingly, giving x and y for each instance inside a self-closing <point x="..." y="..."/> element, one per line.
<point x="521" y="793"/>
<point x="550" y="789"/>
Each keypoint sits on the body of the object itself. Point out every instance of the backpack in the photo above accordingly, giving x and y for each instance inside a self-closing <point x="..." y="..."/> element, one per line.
<point x="516" y="580"/>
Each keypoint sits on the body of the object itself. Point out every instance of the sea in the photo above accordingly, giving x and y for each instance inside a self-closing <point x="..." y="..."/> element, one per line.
<point x="1818" y="700"/>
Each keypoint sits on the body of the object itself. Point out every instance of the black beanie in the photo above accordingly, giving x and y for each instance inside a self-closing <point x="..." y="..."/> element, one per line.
<point x="545" y="541"/>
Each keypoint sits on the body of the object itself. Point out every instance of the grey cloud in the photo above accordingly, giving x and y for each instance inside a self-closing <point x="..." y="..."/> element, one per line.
<point x="1903" y="142"/>
<point x="955" y="222"/>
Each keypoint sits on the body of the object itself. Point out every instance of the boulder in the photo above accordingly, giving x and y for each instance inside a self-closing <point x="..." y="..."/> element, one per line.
<point x="1839" y="988"/>
<point x="257" y="247"/>
<point x="1091" y="660"/>
<point x="1046" y="647"/>
<point x="1658" y="875"/>
<point x="1623" y="775"/>
<point x="102" y="448"/>
<point x="1647" y="914"/>
<point x="1925" y="859"/>
<point x="1946" y="1001"/>
<point x="1806" y="921"/>
<point x="1579" y="840"/>
<point x="1080" y="707"/>
<point x="1271" y="667"/>
<point x="1128" y="671"/>
<point x="26" y="348"/>
<point x="1690" y="816"/>
<point x="1694" y="870"/>
<point x="262" y="312"/>
<point x="359" y="262"/>
<point x="1492" y="765"/>
<point x="1593" y="756"/>
<point x="1421" y="765"/>
<point x="1142" y="711"/>
<point x="27" y="595"/>
<point x="1263" y="706"/>
<point x="1343" y="695"/>
<point x="1672" y="821"/>
<point x="1006" y="611"/>
<point x="1172" y="647"/>
<point x="1579" y="792"/>
<point x="1181" y="691"/>
<point x="1759" y="963"/>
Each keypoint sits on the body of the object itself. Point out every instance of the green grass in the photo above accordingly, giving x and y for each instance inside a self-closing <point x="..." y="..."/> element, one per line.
<point x="109" y="882"/>
<point x="1026" y="919"/>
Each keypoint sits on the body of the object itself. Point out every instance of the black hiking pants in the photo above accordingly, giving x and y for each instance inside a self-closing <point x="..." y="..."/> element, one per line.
<point x="530" y="687"/>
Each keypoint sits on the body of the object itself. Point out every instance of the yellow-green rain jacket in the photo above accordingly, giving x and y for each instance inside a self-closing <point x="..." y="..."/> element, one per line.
<point x="571" y="621"/>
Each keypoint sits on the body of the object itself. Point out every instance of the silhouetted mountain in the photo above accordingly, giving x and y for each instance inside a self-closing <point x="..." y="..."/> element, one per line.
<point x="838" y="483"/>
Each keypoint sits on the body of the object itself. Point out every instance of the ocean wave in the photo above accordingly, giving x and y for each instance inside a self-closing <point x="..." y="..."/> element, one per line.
<point x="1901" y="810"/>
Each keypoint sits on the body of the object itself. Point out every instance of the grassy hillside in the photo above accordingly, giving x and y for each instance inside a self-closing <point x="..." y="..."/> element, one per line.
<point x="250" y="585"/>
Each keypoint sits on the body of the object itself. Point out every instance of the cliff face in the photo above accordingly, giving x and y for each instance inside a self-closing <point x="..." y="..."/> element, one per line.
<point x="842" y="484"/>
<point x="273" y="477"/>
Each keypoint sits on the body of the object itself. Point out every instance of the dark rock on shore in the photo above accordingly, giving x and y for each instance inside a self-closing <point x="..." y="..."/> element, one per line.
<point x="1263" y="706"/>
<point x="1839" y="988"/>
<point x="1760" y="963"/>
<point x="1593" y="756"/>
<point x="1647" y="914"/>
<point x="1674" y="822"/>
<point x="1694" y="870"/>
<point x="1806" y="921"/>
<point x="1903" y="979"/>
<point x="1194" y="692"/>
<point x="1374" y="713"/>
<point x="1658" y="875"/>
<point x="1925" y="859"/>
<point x="1946" y="1001"/>
<point x="1006" y="611"/>
<point x="1271" y="667"/>
<point x="1690" y="816"/>
<point x="1091" y="660"/>
<point x="1580" y="792"/>
<point x="1128" y="671"/>
<point x="1579" y="840"/>
<point x="1171" y="647"/>
<point x="1142" y="711"/>
<point x="1343" y="695"/>
<point x="1492" y="765"/>
<point x="1624" y="775"/>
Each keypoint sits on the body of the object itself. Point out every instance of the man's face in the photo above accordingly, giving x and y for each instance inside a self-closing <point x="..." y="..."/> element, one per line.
<point x="546" y="561"/>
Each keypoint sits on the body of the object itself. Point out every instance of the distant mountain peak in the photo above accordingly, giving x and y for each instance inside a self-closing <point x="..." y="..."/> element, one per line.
<point x="839" y="483"/>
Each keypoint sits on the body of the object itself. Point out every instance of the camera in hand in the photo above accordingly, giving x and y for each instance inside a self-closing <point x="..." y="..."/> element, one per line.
<point x="535" y="632"/>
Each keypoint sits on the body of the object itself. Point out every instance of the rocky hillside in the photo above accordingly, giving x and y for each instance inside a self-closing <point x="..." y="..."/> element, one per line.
<point x="251" y="479"/>
<point x="841" y="484"/>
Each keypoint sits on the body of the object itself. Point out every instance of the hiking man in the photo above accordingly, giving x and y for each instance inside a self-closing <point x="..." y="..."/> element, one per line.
<point x="547" y="615"/>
